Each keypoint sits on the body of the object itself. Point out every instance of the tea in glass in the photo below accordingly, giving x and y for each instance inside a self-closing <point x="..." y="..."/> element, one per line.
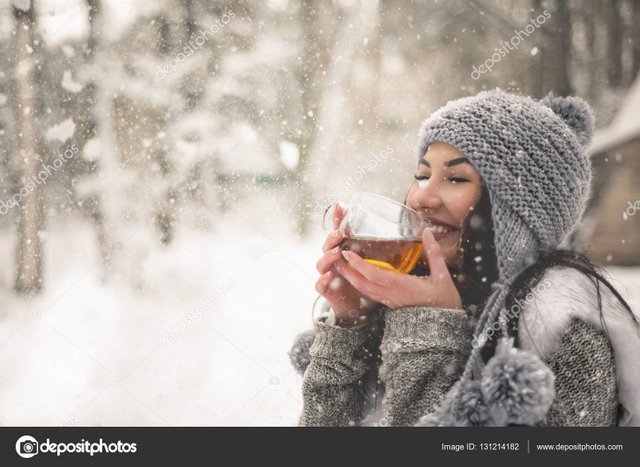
<point x="387" y="234"/>
<point x="392" y="254"/>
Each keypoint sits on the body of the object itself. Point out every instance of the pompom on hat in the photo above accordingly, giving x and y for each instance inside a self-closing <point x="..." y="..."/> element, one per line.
<point x="530" y="154"/>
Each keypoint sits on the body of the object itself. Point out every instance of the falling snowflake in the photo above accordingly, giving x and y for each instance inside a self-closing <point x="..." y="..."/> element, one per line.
<point x="335" y="283"/>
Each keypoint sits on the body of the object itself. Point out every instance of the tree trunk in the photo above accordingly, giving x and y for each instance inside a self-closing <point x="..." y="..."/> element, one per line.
<point x="635" y="39"/>
<point x="536" y="63"/>
<point x="29" y="146"/>
<point x="614" y="43"/>
<point x="589" y="17"/>
<point x="561" y="52"/>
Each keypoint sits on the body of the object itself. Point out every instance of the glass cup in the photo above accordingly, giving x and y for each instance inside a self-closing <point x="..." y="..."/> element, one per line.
<point x="385" y="233"/>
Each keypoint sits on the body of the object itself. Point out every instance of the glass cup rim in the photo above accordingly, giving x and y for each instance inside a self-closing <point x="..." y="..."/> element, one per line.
<point x="368" y="194"/>
<point x="397" y="203"/>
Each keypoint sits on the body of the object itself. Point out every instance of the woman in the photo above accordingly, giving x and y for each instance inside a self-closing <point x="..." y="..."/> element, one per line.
<point x="498" y="325"/>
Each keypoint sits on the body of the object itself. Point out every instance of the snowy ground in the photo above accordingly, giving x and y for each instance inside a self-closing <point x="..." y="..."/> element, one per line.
<point x="85" y="353"/>
<point x="89" y="354"/>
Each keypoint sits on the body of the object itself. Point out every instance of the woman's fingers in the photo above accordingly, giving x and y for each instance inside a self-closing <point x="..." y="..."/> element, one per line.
<point x="437" y="265"/>
<point x="333" y="239"/>
<point x="322" y="284"/>
<point x="369" y="271"/>
<point x="358" y="281"/>
<point x="327" y="260"/>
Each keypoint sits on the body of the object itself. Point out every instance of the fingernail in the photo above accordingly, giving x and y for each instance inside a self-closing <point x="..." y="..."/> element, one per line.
<point x="346" y="255"/>
<point x="334" y="250"/>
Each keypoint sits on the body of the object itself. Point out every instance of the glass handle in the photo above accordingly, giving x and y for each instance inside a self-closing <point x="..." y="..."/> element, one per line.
<point x="328" y="212"/>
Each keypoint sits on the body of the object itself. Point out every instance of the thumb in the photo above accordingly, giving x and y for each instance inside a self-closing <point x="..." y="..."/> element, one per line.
<point x="435" y="258"/>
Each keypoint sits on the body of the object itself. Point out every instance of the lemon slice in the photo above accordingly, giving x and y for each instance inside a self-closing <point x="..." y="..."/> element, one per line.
<point x="380" y="264"/>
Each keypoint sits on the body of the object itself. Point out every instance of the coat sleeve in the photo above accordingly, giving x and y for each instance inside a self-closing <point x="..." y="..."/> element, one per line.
<point x="585" y="382"/>
<point x="424" y="351"/>
<point x="334" y="382"/>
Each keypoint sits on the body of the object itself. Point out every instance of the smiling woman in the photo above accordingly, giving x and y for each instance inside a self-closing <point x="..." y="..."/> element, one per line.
<point x="446" y="190"/>
<point x="499" y="324"/>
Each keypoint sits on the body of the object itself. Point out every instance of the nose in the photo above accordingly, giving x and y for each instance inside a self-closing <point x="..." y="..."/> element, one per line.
<point x="426" y="197"/>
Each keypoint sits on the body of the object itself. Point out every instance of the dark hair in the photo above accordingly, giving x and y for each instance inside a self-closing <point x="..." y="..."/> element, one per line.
<point x="477" y="270"/>
<point x="477" y="260"/>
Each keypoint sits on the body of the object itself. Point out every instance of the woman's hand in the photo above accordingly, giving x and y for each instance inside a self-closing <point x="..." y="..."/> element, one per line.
<point x="396" y="290"/>
<point x="345" y="300"/>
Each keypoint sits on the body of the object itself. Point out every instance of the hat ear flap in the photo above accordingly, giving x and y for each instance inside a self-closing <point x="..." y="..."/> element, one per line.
<point x="575" y="112"/>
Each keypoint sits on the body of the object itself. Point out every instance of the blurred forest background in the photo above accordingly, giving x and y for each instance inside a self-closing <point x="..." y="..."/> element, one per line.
<point x="189" y="146"/>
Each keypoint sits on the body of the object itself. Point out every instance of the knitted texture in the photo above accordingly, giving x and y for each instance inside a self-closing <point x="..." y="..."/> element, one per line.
<point x="421" y="362"/>
<point x="531" y="161"/>
<point x="530" y="156"/>
<point x="423" y="353"/>
<point x="583" y="346"/>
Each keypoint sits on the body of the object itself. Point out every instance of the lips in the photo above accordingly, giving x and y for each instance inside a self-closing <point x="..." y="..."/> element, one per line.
<point x="441" y="229"/>
<point x="444" y="236"/>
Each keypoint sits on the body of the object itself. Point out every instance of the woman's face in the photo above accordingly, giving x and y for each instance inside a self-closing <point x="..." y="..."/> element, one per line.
<point x="446" y="189"/>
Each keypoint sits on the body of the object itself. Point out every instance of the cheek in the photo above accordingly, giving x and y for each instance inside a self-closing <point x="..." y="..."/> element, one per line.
<point x="461" y="201"/>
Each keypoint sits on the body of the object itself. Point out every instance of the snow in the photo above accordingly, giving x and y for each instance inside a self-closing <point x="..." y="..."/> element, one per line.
<point x="231" y="300"/>
<point x="62" y="131"/>
<point x="289" y="154"/>
<point x="62" y="21"/>
<point x="23" y="5"/>
<point x="203" y="341"/>
<point x="624" y="127"/>
<point x="68" y="83"/>
<point x="196" y="332"/>
<point x="68" y="51"/>
<point x="243" y="139"/>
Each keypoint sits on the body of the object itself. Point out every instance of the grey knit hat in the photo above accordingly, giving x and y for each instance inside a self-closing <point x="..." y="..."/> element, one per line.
<point x="530" y="154"/>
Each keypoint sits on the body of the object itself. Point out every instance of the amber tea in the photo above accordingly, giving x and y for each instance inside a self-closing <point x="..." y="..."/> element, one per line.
<point x="392" y="254"/>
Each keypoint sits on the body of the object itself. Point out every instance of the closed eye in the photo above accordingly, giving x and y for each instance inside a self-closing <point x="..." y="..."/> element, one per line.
<point x="454" y="179"/>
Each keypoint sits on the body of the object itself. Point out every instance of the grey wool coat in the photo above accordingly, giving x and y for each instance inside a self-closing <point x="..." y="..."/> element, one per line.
<point x="400" y="366"/>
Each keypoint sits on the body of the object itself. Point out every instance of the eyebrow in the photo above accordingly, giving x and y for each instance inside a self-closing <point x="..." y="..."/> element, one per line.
<point x="459" y="160"/>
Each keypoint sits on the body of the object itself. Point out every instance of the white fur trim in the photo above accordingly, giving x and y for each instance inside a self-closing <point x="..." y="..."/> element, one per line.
<point x="565" y="294"/>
